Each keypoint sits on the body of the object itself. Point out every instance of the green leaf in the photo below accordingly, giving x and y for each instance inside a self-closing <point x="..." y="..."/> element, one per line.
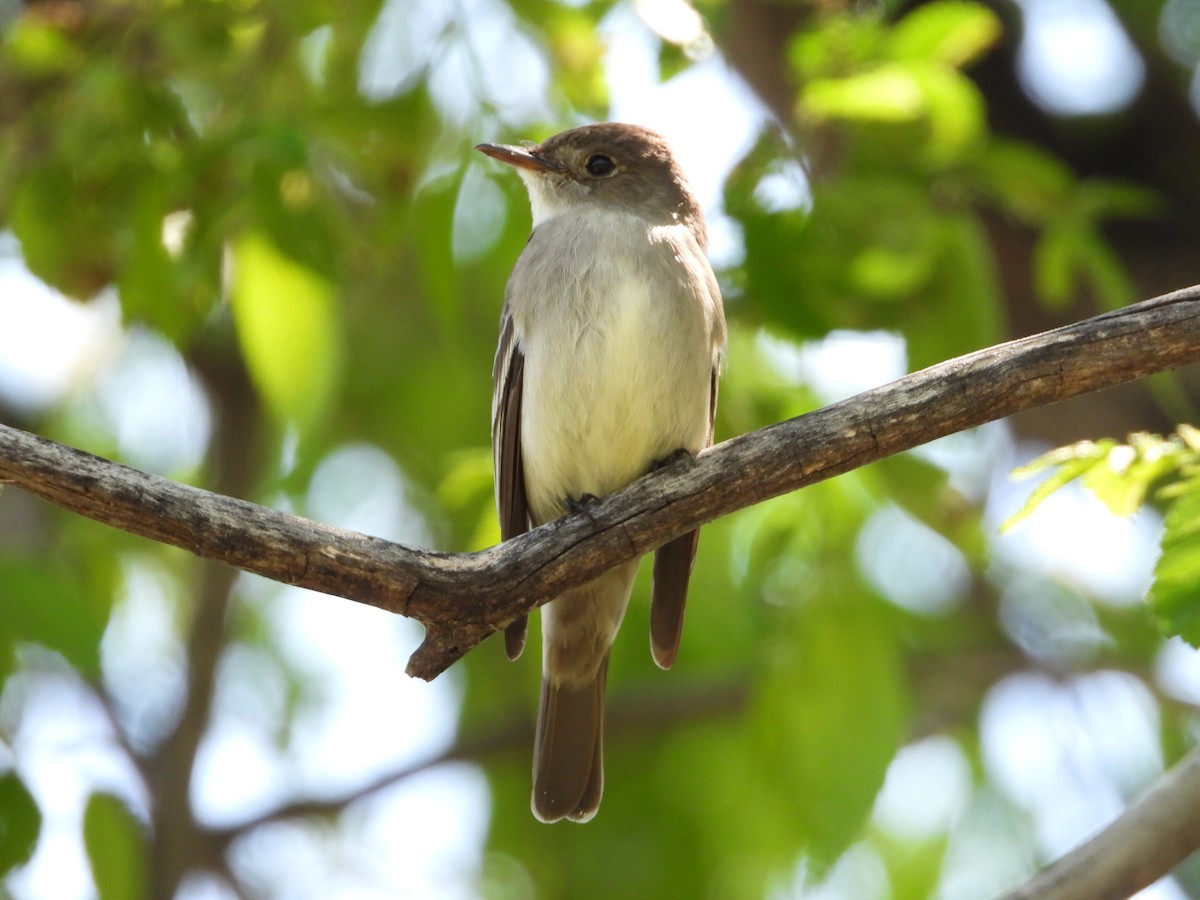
<point x="1104" y="270"/>
<point x="914" y="866"/>
<point x="73" y="253"/>
<point x="831" y="715"/>
<point x="905" y="92"/>
<point x="888" y="93"/>
<point x="1024" y="181"/>
<point x="1059" y="456"/>
<point x="49" y="606"/>
<point x="1055" y="261"/>
<point x="1070" y="251"/>
<point x="1120" y="475"/>
<point x="1131" y="470"/>
<point x="1071" y="462"/>
<point x="961" y="308"/>
<point x="1118" y="198"/>
<point x="35" y="46"/>
<point x="1175" y="596"/>
<point x="151" y="274"/>
<point x="466" y="493"/>
<point x="890" y="273"/>
<point x="288" y="329"/>
<point x="1190" y="435"/>
<point x="1113" y="483"/>
<point x="837" y="44"/>
<point x="578" y="52"/>
<point x="116" y="846"/>
<point x="20" y="822"/>
<point x="955" y="111"/>
<point x="953" y="33"/>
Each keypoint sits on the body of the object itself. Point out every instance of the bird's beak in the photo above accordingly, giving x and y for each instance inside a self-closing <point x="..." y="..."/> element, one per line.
<point x="518" y="157"/>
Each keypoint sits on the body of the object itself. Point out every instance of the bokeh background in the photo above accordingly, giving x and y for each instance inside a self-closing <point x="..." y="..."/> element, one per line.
<point x="246" y="244"/>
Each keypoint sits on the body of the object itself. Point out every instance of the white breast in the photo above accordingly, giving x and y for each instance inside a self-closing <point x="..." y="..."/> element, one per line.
<point x="619" y="348"/>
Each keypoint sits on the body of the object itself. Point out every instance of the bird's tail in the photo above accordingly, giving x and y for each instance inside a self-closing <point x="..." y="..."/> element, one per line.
<point x="568" y="765"/>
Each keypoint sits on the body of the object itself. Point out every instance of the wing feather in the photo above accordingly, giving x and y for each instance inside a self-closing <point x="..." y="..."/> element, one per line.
<point x="511" y="501"/>
<point x="672" y="571"/>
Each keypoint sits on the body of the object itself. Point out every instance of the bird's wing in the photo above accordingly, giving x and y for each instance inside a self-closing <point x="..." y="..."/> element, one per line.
<point x="511" y="502"/>
<point x="673" y="569"/>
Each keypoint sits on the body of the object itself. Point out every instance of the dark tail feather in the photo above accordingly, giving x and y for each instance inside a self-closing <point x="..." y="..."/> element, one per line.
<point x="672" y="569"/>
<point x="514" y="637"/>
<point x="568" y="764"/>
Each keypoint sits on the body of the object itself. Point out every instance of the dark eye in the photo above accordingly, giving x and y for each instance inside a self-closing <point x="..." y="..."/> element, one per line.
<point x="599" y="165"/>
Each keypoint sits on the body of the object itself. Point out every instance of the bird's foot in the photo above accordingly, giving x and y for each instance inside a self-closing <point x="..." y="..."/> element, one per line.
<point x="672" y="458"/>
<point x="580" y="504"/>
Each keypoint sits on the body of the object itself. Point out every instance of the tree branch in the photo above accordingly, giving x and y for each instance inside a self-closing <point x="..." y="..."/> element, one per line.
<point x="1153" y="835"/>
<point x="462" y="598"/>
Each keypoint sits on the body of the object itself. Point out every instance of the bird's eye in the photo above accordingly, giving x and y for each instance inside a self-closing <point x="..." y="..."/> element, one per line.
<point x="599" y="165"/>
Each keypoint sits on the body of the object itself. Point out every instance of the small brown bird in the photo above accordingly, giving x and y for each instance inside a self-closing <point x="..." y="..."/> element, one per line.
<point x="611" y="342"/>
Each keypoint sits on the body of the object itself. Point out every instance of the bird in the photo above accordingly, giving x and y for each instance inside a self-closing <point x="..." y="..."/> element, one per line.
<point x="612" y="340"/>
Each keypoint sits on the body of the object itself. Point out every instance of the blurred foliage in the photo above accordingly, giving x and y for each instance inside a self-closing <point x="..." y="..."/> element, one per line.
<point x="116" y="849"/>
<point x="286" y="187"/>
<point x="20" y="822"/>
<point x="894" y="237"/>
<point x="1150" y="468"/>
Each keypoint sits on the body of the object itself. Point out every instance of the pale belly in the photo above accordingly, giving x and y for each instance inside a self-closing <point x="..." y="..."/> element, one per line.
<point x="607" y="395"/>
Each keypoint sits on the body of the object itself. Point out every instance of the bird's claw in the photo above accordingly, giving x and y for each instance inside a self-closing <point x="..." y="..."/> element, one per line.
<point x="579" y="504"/>
<point x="671" y="458"/>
